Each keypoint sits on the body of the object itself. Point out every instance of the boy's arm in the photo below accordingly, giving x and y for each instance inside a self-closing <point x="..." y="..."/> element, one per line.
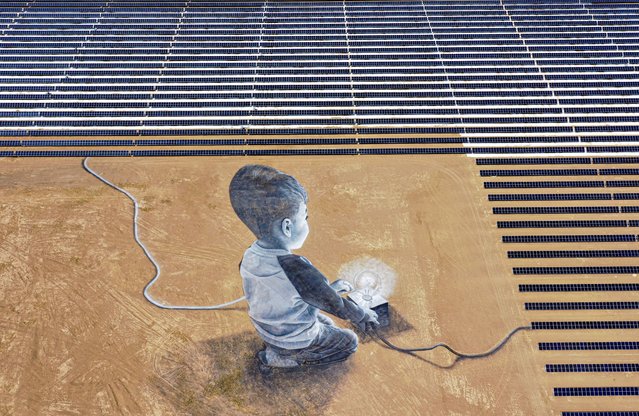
<point x="314" y="289"/>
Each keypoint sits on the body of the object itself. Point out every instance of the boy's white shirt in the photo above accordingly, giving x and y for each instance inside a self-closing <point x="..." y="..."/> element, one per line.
<point x="276" y="309"/>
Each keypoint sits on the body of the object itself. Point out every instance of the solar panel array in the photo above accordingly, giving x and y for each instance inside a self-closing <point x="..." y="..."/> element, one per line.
<point x="575" y="263"/>
<point x="490" y="71"/>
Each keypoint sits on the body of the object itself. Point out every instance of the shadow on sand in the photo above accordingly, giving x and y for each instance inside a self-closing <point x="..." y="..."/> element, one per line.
<point x="221" y="377"/>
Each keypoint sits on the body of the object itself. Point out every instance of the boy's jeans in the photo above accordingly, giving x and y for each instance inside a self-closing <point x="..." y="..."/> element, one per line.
<point x="332" y="344"/>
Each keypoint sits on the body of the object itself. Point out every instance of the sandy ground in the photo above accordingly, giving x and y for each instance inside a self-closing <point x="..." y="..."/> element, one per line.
<point x="77" y="337"/>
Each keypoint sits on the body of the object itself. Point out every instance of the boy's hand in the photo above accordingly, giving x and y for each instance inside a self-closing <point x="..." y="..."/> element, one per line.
<point x="341" y="286"/>
<point x="370" y="319"/>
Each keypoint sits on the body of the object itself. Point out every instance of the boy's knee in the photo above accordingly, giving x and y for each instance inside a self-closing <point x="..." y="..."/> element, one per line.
<point x="352" y="340"/>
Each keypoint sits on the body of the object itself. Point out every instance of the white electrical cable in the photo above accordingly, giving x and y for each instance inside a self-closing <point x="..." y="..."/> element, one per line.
<point x="148" y="254"/>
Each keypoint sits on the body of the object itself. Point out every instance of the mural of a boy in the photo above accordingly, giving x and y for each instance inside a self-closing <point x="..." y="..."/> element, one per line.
<point x="285" y="292"/>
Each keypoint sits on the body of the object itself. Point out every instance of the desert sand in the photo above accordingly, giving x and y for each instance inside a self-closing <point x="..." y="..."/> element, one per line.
<point x="78" y="337"/>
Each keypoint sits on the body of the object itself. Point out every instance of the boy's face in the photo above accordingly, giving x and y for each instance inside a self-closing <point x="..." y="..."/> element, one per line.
<point x="299" y="228"/>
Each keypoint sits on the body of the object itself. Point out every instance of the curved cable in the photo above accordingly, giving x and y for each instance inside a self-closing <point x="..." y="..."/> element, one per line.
<point x="147" y="253"/>
<point x="491" y="351"/>
<point x="158" y="271"/>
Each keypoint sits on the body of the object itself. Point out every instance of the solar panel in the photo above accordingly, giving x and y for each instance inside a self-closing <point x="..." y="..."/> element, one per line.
<point x="539" y="172"/>
<point x="580" y="325"/>
<point x="576" y="270"/>
<point x="536" y="161"/>
<point x="619" y="171"/>
<point x="596" y="391"/>
<point x="550" y="197"/>
<point x="586" y="346"/>
<point x="563" y="224"/>
<point x="602" y="413"/>
<point x="606" y="238"/>
<point x="555" y="210"/>
<point x="579" y="287"/>
<point x="562" y="306"/>
<point x="618" y="184"/>
<point x="615" y="160"/>
<point x="544" y="184"/>
<point x="626" y="196"/>
<point x="572" y="254"/>
<point x="590" y="368"/>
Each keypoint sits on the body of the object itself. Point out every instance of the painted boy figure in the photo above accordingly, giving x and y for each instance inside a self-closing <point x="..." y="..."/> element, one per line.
<point x="284" y="291"/>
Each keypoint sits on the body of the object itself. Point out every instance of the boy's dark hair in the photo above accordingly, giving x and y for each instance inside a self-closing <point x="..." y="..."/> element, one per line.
<point x="261" y="195"/>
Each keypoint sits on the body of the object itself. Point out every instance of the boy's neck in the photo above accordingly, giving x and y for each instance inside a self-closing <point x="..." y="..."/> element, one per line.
<point x="271" y="245"/>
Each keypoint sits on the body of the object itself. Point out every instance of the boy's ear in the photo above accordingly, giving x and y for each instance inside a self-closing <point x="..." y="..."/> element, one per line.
<point x="286" y="227"/>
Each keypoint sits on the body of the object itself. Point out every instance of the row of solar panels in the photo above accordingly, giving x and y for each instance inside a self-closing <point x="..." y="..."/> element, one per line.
<point x="387" y="140"/>
<point x="411" y="125"/>
<point x="270" y="44"/>
<point x="428" y="89"/>
<point x="321" y="48"/>
<point x="52" y="24"/>
<point x="304" y="32"/>
<point x="359" y="67"/>
<point x="376" y="140"/>
<point x="304" y="73"/>
<point x="380" y="3"/>
<point x="275" y="15"/>
<point x="327" y="17"/>
<point x="558" y="172"/>
<point x="567" y="238"/>
<point x="302" y="152"/>
<point x="512" y="115"/>
<point x="581" y="287"/>
<point x="616" y="37"/>
<point x="515" y="51"/>
<point x="242" y="8"/>
<point x="36" y="4"/>
<point x="564" y="211"/>
<point x="212" y="6"/>
<point x="563" y="197"/>
<point x="559" y="184"/>
<point x="191" y="21"/>
<point x="525" y="64"/>
<point x="269" y="17"/>
<point x="26" y="98"/>
<point x="554" y="306"/>
<point x="315" y="126"/>
<point x="569" y="254"/>
<point x="344" y="120"/>
<point x="273" y="9"/>
<point x="53" y="19"/>
<point x="569" y="224"/>
<point x="360" y="59"/>
<point x="586" y="324"/>
<point x="336" y="27"/>
<point x="557" y="161"/>
<point x="214" y="152"/>
<point x="190" y="131"/>
<point x="483" y="13"/>
<point x="344" y="109"/>
<point x="261" y="76"/>
<point x="336" y="18"/>
<point x="389" y="151"/>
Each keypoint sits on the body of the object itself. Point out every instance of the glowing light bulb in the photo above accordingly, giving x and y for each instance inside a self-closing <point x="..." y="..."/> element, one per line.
<point x="368" y="283"/>
<point x="370" y="277"/>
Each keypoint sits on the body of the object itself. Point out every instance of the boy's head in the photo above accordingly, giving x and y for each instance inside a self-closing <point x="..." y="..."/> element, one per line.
<point x="272" y="204"/>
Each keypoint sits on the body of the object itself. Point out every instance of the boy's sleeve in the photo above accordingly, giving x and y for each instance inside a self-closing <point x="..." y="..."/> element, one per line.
<point x="313" y="287"/>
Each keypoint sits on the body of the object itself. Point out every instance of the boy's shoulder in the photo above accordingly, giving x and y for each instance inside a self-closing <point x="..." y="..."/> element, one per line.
<point x="294" y="259"/>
